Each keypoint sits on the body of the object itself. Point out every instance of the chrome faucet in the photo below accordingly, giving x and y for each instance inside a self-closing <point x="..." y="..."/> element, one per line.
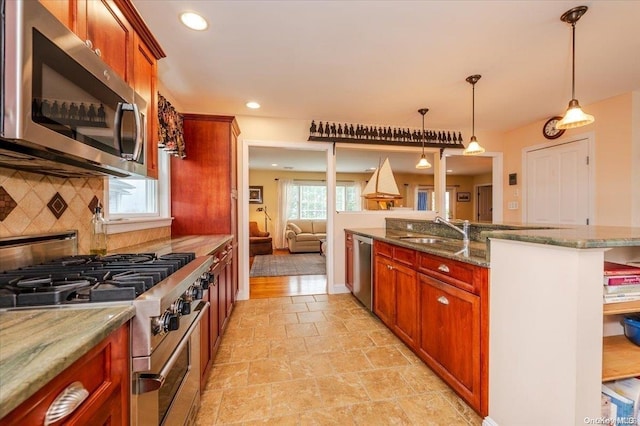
<point x="464" y="231"/>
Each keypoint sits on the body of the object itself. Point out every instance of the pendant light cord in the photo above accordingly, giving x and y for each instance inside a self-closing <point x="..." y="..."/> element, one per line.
<point x="473" y="110"/>
<point x="573" y="60"/>
<point x="423" y="134"/>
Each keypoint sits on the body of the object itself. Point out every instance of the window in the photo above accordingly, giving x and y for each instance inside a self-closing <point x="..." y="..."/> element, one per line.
<point x="307" y="200"/>
<point x="348" y="197"/>
<point x="425" y="198"/>
<point x="139" y="198"/>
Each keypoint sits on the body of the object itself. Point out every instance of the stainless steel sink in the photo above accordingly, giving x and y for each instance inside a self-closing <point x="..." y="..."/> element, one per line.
<point x="422" y="240"/>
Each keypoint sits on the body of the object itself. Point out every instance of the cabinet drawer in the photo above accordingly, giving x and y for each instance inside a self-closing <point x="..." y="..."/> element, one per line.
<point x="460" y="274"/>
<point x="399" y="254"/>
<point x="383" y="249"/>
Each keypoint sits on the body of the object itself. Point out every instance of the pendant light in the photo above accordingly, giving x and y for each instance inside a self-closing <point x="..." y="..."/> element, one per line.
<point x="574" y="117"/>
<point x="473" y="147"/>
<point x="423" y="163"/>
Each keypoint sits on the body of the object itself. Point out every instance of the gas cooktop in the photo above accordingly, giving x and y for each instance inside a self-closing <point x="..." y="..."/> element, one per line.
<point x="83" y="279"/>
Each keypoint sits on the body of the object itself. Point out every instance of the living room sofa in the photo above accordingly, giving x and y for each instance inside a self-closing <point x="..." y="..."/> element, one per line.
<point x="303" y="236"/>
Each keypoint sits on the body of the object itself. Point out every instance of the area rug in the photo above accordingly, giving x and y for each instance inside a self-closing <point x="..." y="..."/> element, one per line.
<point x="283" y="265"/>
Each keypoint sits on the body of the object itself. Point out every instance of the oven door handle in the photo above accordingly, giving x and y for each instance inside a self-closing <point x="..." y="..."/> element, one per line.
<point x="149" y="382"/>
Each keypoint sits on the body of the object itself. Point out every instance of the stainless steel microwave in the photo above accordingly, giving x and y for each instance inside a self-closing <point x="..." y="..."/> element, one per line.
<point x="64" y="111"/>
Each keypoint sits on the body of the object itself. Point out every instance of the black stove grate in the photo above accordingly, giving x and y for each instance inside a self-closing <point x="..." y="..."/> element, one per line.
<point x="83" y="279"/>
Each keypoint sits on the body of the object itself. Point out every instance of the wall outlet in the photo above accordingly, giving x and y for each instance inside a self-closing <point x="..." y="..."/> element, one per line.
<point x="410" y="226"/>
<point x="513" y="205"/>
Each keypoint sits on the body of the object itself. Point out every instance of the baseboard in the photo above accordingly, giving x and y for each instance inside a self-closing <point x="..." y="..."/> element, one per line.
<point x="339" y="289"/>
<point x="488" y="421"/>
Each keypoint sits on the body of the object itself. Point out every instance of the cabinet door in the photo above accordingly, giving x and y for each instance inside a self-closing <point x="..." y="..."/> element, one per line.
<point x="406" y="304"/>
<point x="348" y="260"/>
<point x="214" y="316"/>
<point x="222" y="296"/>
<point x="110" y="35"/>
<point x="450" y="335"/>
<point x="61" y="9"/>
<point x="384" y="290"/>
<point x="144" y="83"/>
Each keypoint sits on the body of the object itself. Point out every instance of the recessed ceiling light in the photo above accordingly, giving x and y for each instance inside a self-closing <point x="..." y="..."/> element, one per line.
<point x="253" y="105"/>
<point x="370" y="169"/>
<point x="274" y="165"/>
<point x="449" y="171"/>
<point x="194" y="21"/>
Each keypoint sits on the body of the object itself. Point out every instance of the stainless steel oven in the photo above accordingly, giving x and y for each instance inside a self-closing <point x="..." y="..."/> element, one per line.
<point x="61" y="102"/>
<point x="169" y="392"/>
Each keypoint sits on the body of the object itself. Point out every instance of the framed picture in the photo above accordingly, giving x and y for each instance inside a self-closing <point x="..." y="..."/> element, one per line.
<point x="463" y="197"/>
<point x="255" y="195"/>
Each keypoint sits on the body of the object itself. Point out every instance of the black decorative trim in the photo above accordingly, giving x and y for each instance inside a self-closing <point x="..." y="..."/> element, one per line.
<point x="57" y="205"/>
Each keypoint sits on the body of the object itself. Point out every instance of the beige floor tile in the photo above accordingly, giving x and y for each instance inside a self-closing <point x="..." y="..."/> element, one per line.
<point x="327" y="417"/>
<point x="383" y="337"/>
<point x="245" y="404"/>
<point x="292" y="420"/>
<point x="385" y="384"/>
<point x="276" y="331"/>
<point x="239" y="334"/>
<point x="430" y="410"/>
<point x="303" y="299"/>
<point x="465" y="411"/>
<point x="301" y="330"/>
<point x="380" y="413"/>
<point x="288" y="346"/>
<point x="253" y="320"/>
<point x="209" y="405"/>
<point x="225" y="376"/>
<point x="269" y="371"/>
<point x="321" y="297"/>
<point x="294" y="307"/>
<point x="350" y="362"/>
<point x="294" y="397"/>
<point x="322" y="306"/>
<point x="408" y="353"/>
<point x="341" y="389"/>
<point x="311" y="365"/>
<point x="385" y="356"/>
<point x="283" y="318"/>
<point x="279" y="301"/>
<point x="223" y="355"/>
<point x="337" y="315"/>
<point x="331" y="327"/>
<point x="320" y="344"/>
<point x="304" y="317"/>
<point x="422" y="379"/>
<point x="250" y="351"/>
<point x="361" y="324"/>
<point x="353" y="340"/>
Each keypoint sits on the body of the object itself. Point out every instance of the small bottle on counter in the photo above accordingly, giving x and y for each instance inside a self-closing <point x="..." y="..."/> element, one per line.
<point x="98" y="243"/>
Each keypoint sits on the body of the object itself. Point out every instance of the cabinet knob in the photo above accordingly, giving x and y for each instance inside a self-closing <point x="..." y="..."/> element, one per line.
<point x="98" y="52"/>
<point x="66" y="403"/>
<point x="443" y="268"/>
<point x="443" y="300"/>
<point x="89" y="44"/>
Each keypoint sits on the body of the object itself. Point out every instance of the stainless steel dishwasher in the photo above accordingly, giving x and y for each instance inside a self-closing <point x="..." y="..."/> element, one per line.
<point x="362" y="270"/>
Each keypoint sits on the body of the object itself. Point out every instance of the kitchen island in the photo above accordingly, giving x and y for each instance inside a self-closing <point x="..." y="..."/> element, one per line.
<point x="550" y="341"/>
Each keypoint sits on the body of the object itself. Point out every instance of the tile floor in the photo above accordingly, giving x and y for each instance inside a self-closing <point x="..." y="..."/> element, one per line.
<point x="321" y="360"/>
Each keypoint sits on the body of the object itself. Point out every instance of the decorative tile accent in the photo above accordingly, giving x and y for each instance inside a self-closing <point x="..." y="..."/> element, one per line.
<point x="7" y="204"/>
<point x="93" y="204"/>
<point x="57" y="205"/>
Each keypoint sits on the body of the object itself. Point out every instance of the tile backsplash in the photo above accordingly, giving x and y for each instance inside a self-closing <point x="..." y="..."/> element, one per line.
<point x="35" y="204"/>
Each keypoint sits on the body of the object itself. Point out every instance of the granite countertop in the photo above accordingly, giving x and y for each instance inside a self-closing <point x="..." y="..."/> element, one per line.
<point x="445" y="247"/>
<point x="38" y="344"/>
<point x="201" y="245"/>
<point x="580" y="237"/>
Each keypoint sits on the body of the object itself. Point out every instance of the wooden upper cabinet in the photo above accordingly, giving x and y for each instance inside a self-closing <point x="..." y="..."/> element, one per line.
<point x="110" y="34"/>
<point x="145" y="68"/>
<point x="64" y="10"/>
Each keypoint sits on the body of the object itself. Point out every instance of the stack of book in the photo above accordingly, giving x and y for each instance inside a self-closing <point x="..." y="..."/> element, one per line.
<point x="621" y="401"/>
<point x="621" y="282"/>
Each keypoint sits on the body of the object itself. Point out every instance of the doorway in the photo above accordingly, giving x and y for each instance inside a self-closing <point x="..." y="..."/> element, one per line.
<point x="288" y="162"/>
<point x="558" y="184"/>
<point x="484" y="203"/>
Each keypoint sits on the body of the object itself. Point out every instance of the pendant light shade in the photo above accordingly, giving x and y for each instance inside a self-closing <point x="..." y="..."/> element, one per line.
<point x="423" y="163"/>
<point x="473" y="147"/>
<point x="574" y="117"/>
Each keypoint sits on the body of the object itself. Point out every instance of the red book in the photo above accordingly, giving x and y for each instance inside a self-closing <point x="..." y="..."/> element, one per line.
<point x="621" y="279"/>
<point x="611" y="268"/>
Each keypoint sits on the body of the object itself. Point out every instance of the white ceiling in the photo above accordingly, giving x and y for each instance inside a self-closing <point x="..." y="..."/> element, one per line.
<point x="377" y="62"/>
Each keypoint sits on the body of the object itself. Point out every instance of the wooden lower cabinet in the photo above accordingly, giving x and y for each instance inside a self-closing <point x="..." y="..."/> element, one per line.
<point x="450" y="335"/>
<point x="439" y="308"/>
<point x="104" y="372"/>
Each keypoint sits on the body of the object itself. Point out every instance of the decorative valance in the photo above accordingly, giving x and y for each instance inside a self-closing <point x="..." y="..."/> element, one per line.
<point x="170" y="131"/>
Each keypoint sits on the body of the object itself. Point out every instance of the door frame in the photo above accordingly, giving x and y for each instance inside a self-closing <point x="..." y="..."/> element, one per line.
<point x="243" y="208"/>
<point x="591" y="142"/>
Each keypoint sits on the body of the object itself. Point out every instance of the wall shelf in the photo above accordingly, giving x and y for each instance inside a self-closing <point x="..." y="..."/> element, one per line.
<point x="620" y="358"/>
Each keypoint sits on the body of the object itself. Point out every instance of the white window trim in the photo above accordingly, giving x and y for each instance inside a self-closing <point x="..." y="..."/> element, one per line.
<point x="141" y="222"/>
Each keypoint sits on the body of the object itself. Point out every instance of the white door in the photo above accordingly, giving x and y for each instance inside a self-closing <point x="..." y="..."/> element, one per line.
<point x="558" y="186"/>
